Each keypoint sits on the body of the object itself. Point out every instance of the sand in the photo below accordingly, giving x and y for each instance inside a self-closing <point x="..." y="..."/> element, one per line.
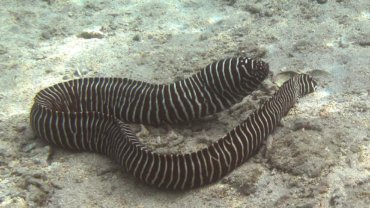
<point x="319" y="157"/>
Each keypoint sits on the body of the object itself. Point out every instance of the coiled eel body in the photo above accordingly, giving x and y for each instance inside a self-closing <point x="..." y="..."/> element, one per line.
<point x="90" y="114"/>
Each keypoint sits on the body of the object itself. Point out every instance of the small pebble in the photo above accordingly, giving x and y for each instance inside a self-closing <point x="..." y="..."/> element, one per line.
<point x="47" y="71"/>
<point x="79" y="180"/>
<point x="364" y="43"/>
<point x="91" y="35"/>
<point x="49" y="1"/>
<point x="269" y="13"/>
<point x="355" y="148"/>
<point x="309" y="205"/>
<point x="4" y="152"/>
<point x="14" y="202"/>
<point x="28" y="147"/>
<point x="136" y="38"/>
<point x="46" y="35"/>
<point x="253" y="9"/>
<point x="36" y="182"/>
<point x="3" y="50"/>
<point x="322" y="1"/>
<point x="203" y="37"/>
<point x="106" y="170"/>
<point x="42" y="155"/>
<point x="20" y="128"/>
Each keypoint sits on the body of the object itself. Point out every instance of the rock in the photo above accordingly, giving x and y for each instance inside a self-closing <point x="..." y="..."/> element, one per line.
<point x="364" y="43"/>
<point x="109" y="169"/>
<point x="37" y="183"/>
<point x="42" y="155"/>
<point x="14" y="202"/>
<point x="253" y="8"/>
<point x="336" y="199"/>
<point x="35" y="196"/>
<point x="302" y="46"/>
<point x="91" y="34"/>
<point x="48" y="34"/>
<point x="28" y="147"/>
<point x="322" y="1"/>
<point x="300" y="153"/>
<point x="20" y="128"/>
<point x="3" y="50"/>
<point x="247" y="183"/>
<point x="305" y="125"/>
<point x="49" y="1"/>
<point x="203" y="37"/>
<point x="136" y="38"/>
<point x="4" y="152"/>
<point x="309" y="205"/>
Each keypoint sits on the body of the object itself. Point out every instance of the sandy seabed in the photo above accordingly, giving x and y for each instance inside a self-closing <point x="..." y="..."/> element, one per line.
<point x="319" y="157"/>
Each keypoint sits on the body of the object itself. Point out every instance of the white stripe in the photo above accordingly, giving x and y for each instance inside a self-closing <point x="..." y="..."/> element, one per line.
<point x="180" y="100"/>
<point x="172" y="169"/>
<point x="158" y="170"/>
<point x="186" y="173"/>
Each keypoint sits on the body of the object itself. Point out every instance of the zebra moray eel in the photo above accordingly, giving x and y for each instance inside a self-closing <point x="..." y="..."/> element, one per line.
<point x="90" y="114"/>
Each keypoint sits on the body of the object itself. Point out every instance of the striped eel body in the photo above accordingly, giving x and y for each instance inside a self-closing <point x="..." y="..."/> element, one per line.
<point x="90" y="114"/>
